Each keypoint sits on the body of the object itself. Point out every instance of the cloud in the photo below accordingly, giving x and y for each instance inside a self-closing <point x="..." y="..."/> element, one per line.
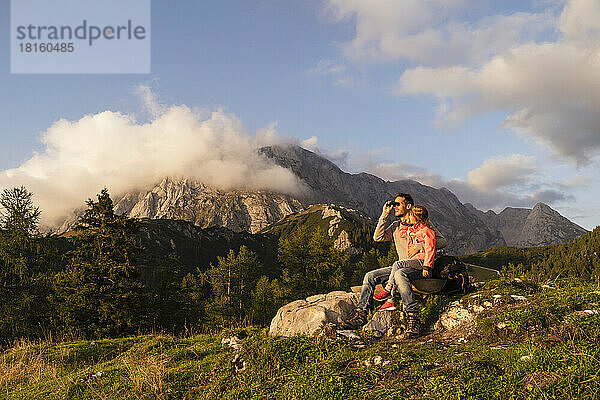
<point x="114" y="150"/>
<point x="549" y="196"/>
<point x="575" y="182"/>
<point x="514" y="170"/>
<point x="540" y="68"/>
<point x="401" y="171"/>
<point x="431" y="31"/>
<point x="551" y="90"/>
<point x="327" y="67"/>
<point x="336" y="71"/>
<point x="499" y="182"/>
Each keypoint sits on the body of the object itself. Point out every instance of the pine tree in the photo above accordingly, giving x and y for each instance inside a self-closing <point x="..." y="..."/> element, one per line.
<point x="100" y="292"/>
<point x="232" y="282"/>
<point x="311" y="263"/>
<point x="25" y="261"/>
<point x="267" y="297"/>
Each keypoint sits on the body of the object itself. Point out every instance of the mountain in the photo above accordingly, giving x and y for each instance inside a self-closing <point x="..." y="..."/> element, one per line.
<point x="467" y="229"/>
<point x="465" y="232"/>
<point x="522" y="227"/>
<point x="205" y="206"/>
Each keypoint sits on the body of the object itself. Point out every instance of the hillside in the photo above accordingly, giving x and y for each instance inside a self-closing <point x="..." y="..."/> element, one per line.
<point x="197" y="247"/>
<point x="545" y="347"/>
<point x="350" y="229"/>
<point x="579" y="258"/>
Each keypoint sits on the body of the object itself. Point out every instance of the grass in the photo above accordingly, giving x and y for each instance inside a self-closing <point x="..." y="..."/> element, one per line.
<point x="548" y="350"/>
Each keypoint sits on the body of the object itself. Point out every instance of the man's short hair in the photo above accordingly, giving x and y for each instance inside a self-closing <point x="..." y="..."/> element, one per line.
<point x="407" y="197"/>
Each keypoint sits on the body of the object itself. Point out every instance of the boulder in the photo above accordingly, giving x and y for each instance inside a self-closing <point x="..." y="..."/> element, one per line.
<point x="381" y="322"/>
<point x="307" y="317"/>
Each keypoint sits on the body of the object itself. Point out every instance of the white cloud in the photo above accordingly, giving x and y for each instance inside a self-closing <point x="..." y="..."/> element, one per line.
<point x="336" y="71"/>
<point x="575" y="182"/>
<point x="550" y="90"/>
<point x="514" y="170"/>
<point x="311" y="144"/>
<point x="327" y="67"/>
<point x="114" y="150"/>
<point x="540" y="68"/>
<point x="400" y="171"/>
<point x="499" y="182"/>
<point x="431" y="31"/>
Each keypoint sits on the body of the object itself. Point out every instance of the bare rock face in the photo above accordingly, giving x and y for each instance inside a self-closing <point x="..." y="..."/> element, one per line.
<point x="307" y="317"/>
<point x="380" y="322"/>
<point x="240" y="211"/>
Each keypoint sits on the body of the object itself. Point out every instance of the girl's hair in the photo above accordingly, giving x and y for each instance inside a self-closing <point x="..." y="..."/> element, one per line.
<point x="421" y="214"/>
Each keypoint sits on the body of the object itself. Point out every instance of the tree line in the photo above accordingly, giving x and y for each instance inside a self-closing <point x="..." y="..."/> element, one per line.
<point x="95" y="280"/>
<point x="577" y="259"/>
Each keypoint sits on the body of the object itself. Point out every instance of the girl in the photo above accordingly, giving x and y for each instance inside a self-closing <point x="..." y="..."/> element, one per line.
<point x="419" y="233"/>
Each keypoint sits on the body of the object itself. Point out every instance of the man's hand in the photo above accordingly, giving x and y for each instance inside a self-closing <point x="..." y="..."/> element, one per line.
<point x="426" y="273"/>
<point x="412" y="251"/>
<point x="387" y="208"/>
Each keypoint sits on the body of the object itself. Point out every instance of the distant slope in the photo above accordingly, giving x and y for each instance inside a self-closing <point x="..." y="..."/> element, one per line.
<point x="350" y="229"/>
<point x="197" y="247"/>
<point x="579" y="258"/>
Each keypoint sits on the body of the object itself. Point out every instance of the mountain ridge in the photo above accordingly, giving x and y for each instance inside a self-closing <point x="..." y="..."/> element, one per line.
<point x="467" y="229"/>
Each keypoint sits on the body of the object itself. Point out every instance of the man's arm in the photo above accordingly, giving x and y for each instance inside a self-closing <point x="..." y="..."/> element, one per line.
<point x="383" y="234"/>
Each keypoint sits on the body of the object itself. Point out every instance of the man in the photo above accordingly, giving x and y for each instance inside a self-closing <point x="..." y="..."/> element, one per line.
<point x="401" y="205"/>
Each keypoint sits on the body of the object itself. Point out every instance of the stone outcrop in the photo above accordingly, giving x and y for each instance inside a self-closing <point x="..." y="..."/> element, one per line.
<point x="308" y="317"/>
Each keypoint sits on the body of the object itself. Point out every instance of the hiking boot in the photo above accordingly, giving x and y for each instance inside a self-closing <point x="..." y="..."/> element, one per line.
<point x="389" y="305"/>
<point x="382" y="295"/>
<point x="413" y="326"/>
<point x="357" y="319"/>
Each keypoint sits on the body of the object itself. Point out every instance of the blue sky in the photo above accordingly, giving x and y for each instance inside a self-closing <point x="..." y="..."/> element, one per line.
<point x="495" y="100"/>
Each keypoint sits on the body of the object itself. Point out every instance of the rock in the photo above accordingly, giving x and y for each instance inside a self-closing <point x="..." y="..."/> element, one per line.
<point x="540" y="379"/>
<point x="347" y="336"/>
<point x="233" y="342"/>
<point x="356" y="289"/>
<point x="584" y="313"/>
<point x="381" y="322"/>
<point x="307" y="317"/>
<point x="518" y="298"/>
<point x="458" y="316"/>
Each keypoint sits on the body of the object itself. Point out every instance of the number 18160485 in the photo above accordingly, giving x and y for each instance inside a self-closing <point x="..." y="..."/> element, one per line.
<point x="46" y="47"/>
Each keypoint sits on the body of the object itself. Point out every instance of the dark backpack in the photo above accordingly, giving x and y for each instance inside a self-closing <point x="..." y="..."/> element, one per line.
<point x="454" y="270"/>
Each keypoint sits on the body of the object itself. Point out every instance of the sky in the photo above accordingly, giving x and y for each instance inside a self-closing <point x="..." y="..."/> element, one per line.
<point x="497" y="101"/>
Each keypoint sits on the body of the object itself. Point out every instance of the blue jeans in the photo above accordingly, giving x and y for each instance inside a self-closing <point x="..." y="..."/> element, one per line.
<point x="391" y="283"/>
<point x="372" y="279"/>
<point x="402" y="279"/>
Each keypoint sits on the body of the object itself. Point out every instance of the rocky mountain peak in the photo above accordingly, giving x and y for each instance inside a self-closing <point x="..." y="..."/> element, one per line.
<point x="466" y="228"/>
